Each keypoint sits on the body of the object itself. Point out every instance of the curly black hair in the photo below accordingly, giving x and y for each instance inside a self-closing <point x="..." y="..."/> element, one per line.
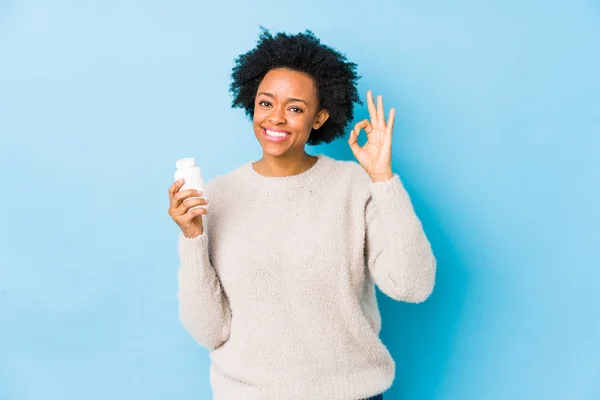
<point x="334" y="76"/>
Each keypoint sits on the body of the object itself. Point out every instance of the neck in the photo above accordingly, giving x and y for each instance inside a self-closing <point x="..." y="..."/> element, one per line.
<point x="286" y="165"/>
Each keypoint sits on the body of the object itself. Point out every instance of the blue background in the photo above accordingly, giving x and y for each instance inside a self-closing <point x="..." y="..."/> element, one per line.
<point x="496" y="139"/>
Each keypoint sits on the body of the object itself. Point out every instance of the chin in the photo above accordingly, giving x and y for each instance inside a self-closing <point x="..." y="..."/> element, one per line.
<point x="276" y="152"/>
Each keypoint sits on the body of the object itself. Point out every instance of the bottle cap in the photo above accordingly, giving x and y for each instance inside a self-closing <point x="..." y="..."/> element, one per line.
<point x="185" y="163"/>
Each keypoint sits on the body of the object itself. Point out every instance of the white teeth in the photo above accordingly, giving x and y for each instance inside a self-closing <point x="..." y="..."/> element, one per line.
<point x="276" y="134"/>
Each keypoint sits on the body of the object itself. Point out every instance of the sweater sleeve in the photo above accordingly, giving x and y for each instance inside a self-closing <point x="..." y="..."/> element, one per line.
<point x="203" y="306"/>
<point x="398" y="254"/>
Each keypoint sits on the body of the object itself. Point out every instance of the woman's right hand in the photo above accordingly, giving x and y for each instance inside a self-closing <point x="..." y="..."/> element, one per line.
<point x="190" y="222"/>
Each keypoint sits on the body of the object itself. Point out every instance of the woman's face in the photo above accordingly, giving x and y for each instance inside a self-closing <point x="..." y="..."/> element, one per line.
<point x="286" y="109"/>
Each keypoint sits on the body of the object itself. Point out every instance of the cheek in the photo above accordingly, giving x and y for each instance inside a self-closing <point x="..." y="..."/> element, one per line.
<point x="307" y="124"/>
<point x="259" y="116"/>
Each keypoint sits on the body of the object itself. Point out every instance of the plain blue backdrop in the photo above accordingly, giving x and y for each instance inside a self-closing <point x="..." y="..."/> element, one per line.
<point x="496" y="139"/>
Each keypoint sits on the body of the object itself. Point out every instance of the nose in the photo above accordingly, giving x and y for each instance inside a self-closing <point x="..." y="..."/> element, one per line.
<point x="276" y="116"/>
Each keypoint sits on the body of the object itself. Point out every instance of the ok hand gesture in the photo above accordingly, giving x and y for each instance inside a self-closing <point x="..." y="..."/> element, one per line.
<point x="376" y="155"/>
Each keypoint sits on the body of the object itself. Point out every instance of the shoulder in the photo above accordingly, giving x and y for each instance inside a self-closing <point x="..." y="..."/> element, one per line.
<point x="221" y="184"/>
<point x="350" y="180"/>
<point x="352" y="174"/>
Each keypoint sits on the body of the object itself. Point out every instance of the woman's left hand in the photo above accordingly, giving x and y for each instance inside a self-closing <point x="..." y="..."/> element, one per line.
<point x="376" y="155"/>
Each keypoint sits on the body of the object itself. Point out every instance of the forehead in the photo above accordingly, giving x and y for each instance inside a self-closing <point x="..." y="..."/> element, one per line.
<point x="288" y="83"/>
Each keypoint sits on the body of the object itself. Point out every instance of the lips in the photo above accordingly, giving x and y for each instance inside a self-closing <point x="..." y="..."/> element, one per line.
<point x="276" y="135"/>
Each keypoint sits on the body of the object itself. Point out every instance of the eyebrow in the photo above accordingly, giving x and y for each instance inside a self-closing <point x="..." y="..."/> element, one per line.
<point x="290" y="99"/>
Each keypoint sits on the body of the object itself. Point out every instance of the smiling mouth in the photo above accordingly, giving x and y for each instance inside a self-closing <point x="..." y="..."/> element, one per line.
<point x="276" y="136"/>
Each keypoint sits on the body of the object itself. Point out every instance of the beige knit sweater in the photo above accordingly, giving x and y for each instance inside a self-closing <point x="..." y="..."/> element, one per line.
<point x="280" y="286"/>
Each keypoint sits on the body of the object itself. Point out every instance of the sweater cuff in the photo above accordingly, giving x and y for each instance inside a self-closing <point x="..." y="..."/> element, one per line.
<point x="195" y="243"/>
<point x="385" y="185"/>
<point x="392" y="200"/>
<point x="390" y="189"/>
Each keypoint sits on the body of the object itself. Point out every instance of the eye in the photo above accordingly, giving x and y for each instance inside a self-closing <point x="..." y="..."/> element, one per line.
<point x="295" y="110"/>
<point x="264" y="103"/>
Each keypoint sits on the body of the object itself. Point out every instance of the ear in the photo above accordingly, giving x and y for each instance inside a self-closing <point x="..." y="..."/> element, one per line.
<point x="320" y="119"/>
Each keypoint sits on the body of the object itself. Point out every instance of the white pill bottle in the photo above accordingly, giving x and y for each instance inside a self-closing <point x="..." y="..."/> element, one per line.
<point x="192" y="175"/>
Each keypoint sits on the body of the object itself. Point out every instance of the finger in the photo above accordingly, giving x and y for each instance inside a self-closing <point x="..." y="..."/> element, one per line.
<point x="185" y="205"/>
<point x="182" y="195"/>
<point x="175" y="187"/>
<point x="184" y="210"/>
<point x="187" y="218"/>
<point x="364" y="124"/>
<point x="380" y="113"/>
<point x="371" y="106"/>
<point x="353" y="142"/>
<point x="390" y="123"/>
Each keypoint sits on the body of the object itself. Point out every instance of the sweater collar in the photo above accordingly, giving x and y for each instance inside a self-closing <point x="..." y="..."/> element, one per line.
<point x="320" y="169"/>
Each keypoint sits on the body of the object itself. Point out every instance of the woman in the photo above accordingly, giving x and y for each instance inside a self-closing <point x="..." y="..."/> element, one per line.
<point x="277" y="279"/>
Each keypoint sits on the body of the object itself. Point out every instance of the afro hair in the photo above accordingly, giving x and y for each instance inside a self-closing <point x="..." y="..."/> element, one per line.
<point x="334" y="76"/>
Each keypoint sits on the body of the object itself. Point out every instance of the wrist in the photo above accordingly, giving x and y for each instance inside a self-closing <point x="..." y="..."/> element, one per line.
<point x="382" y="177"/>
<point x="192" y="235"/>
